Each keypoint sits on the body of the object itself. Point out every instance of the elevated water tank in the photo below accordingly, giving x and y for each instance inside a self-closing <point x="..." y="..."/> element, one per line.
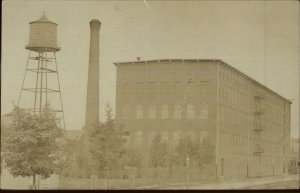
<point x="43" y="36"/>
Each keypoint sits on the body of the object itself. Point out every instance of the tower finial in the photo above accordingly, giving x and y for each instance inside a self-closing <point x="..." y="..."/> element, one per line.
<point x="44" y="16"/>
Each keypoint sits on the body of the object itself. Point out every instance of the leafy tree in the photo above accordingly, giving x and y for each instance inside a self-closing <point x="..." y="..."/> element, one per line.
<point x="82" y="165"/>
<point x="32" y="148"/>
<point x="133" y="158"/>
<point x="186" y="147"/>
<point x="199" y="153"/>
<point x="74" y="158"/>
<point x="205" y="153"/>
<point x="107" y="144"/>
<point x="158" y="152"/>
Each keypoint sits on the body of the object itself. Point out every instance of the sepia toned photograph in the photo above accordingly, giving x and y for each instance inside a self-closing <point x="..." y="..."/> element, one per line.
<point x="149" y="94"/>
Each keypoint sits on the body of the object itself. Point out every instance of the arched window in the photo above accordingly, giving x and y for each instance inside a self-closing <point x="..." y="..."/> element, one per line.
<point x="140" y="90"/>
<point x="177" y="111"/>
<point x="152" y="112"/>
<point x="204" y="111"/>
<point x="178" y="88"/>
<point x="190" y="112"/>
<point x="139" y="112"/>
<point x="164" y="112"/>
<point x="165" y="88"/>
<point x="126" y="112"/>
<point x="153" y="89"/>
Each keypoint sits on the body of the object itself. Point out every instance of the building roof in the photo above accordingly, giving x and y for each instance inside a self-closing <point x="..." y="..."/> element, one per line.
<point x="219" y="61"/>
<point x="167" y="60"/>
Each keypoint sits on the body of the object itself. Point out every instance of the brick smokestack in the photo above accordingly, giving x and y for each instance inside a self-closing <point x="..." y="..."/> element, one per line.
<point x="92" y="98"/>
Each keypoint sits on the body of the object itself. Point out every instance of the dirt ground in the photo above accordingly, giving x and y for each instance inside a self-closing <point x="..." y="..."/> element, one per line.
<point x="293" y="184"/>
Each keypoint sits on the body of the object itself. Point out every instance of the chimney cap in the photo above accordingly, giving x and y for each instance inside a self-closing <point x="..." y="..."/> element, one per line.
<point x="95" y="21"/>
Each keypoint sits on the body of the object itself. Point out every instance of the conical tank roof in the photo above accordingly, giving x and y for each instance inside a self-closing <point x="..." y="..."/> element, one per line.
<point x="43" y="19"/>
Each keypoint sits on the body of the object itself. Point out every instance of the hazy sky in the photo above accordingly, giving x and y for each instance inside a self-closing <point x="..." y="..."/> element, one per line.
<point x="244" y="34"/>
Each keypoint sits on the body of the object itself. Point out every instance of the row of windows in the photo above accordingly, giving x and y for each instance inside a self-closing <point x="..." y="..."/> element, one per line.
<point x="238" y="144"/>
<point x="229" y="77"/>
<point x="244" y="100"/>
<point x="139" y="89"/>
<point x="165" y="112"/>
<point x="175" y="136"/>
<point x="238" y="164"/>
<point x="272" y="134"/>
<point x="240" y="116"/>
<point x="235" y="119"/>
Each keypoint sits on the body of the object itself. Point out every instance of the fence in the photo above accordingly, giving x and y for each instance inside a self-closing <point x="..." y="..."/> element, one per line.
<point x="143" y="178"/>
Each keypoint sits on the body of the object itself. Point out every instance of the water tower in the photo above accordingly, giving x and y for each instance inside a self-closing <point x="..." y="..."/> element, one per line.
<point x="41" y="79"/>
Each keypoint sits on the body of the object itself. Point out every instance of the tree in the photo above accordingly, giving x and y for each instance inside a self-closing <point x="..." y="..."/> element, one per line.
<point x="32" y="148"/>
<point x="74" y="161"/>
<point x="186" y="147"/>
<point x="107" y="144"/>
<point x="133" y="158"/>
<point x="158" y="152"/>
<point x="199" y="153"/>
<point x="206" y="151"/>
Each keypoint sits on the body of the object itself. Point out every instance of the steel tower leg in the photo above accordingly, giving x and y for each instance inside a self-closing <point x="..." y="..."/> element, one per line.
<point x="41" y="87"/>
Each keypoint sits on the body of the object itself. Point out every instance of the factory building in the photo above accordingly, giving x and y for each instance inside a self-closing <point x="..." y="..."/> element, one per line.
<point x="247" y="123"/>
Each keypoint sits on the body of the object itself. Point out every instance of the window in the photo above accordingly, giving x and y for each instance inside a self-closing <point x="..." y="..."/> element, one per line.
<point x="153" y="86"/>
<point x="164" y="136"/>
<point x="203" y="135"/>
<point x="151" y="135"/>
<point x="152" y="112"/>
<point x="165" y="88"/>
<point x="178" y="88"/>
<point x="127" y="89"/>
<point x="164" y="112"/>
<point x="189" y="134"/>
<point x="176" y="137"/>
<point x="126" y="112"/>
<point x="177" y="112"/>
<point x="204" y="89"/>
<point x="196" y="89"/>
<point x="139" y="111"/>
<point x="139" y="89"/>
<point x="138" y="138"/>
<point x="203" y="111"/>
<point x="190" y="113"/>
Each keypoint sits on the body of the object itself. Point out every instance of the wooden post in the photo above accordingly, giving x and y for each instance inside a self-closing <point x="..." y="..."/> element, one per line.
<point x="216" y="172"/>
<point x="133" y="175"/>
<point x="238" y="174"/>
<point x="34" y="182"/>
<point x="107" y="178"/>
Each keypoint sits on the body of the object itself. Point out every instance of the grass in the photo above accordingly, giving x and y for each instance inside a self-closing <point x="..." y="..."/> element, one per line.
<point x="85" y="183"/>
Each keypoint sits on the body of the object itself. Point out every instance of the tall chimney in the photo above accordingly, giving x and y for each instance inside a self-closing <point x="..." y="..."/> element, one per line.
<point x="92" y="98"/>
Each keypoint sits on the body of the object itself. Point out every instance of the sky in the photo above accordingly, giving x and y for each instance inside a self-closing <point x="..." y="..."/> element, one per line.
<point x="260" y="38"/>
